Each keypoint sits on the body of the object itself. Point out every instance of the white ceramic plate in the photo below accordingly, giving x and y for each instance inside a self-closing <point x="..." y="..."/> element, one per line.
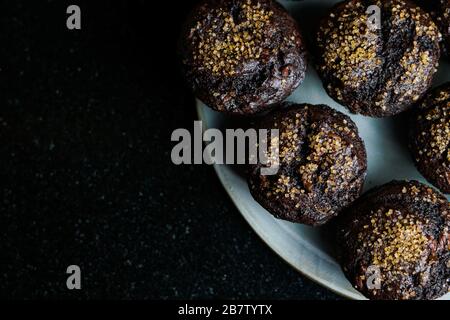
<point x="388" y="158"/>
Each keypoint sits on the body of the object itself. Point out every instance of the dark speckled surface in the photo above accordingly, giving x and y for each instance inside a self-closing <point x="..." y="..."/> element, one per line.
<point x="85" y="171"/>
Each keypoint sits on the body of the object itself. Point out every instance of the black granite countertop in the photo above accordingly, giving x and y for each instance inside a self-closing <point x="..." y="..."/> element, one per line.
<point x="85" y="171"/>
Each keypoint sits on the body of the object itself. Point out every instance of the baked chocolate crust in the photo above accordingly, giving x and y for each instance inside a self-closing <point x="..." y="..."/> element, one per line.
<point x="440" y="11"/>
<point x="322" y="165"/>
<point x="377" y="72"/>
<point x="400" y="229"/>
<point x="429" y="137"/>
<point x="242" y="57"/>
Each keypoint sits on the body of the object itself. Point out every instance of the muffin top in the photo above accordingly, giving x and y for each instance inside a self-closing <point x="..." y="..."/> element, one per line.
<point x="401" y="231"/>
<point x="242" y="56"/>
<point x="322" y="165"/>
<point x="377" y="71"/>
<point x="224" y="45"/>
<point x="430" y="137"/>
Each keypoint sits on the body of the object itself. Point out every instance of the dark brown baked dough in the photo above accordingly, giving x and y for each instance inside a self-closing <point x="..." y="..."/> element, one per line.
<point x="242" y="56"/>
<point x="440" y="11"/>
<point x="402" y="230"/>
<point x="430" y="137"/>
<point x="377" y="72"/>
<point x="322" y="165"/>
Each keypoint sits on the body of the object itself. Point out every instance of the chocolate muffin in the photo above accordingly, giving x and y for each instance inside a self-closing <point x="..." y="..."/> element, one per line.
<point x="430" y="137"/>
<point x="322" y="165"/>
<point x="242" y="56"/>
<point x="395" y="242"/>
<point x="440" y="11"/>
<point x="375" y="71"/>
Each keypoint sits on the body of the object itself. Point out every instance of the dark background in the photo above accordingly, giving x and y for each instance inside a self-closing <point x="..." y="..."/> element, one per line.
<point x="85" y="170"/>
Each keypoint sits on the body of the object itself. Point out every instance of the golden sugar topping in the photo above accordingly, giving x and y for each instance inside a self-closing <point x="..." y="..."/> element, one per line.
<point x="349" y="46"/>
<point x="424" y="194"/>
<point x="225" y="41"/>
<point x="329" y="154"/>
<point x="396" y="240"/>
<point x="435" y="137"/>
<point x="353" y="51"/>
<point x="325" y="161"/>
